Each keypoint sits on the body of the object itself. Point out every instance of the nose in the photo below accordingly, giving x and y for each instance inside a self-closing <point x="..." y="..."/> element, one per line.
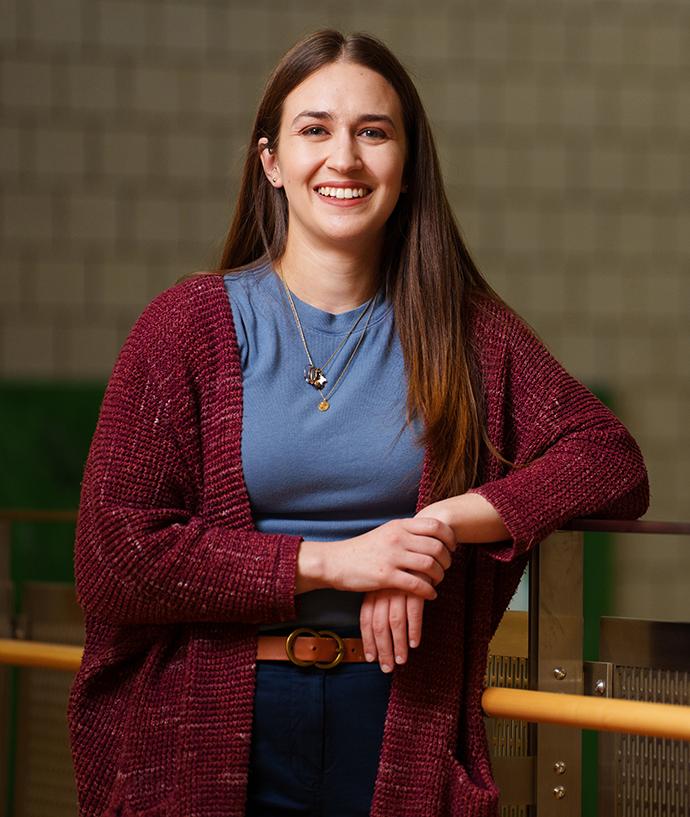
<point x="344" y="155"/>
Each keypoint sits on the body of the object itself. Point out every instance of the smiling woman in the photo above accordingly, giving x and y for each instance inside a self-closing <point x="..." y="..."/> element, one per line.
<point x="340" y="157"/>
<point x="338" y="435"/>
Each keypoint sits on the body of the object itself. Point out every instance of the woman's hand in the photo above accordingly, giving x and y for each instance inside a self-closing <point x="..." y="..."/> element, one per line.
<point x="410" y="555"/>
<point x="388" y="619"/>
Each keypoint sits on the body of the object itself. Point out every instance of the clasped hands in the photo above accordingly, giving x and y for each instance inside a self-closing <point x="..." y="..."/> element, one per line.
<point x="397" y="566"/>
<point x="391" y="619"/>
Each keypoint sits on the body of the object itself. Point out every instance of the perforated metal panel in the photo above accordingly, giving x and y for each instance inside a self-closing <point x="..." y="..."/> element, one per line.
<point x="641" y="776"/>
<point x="653" y="774"/>
<point x="509" y="739"/>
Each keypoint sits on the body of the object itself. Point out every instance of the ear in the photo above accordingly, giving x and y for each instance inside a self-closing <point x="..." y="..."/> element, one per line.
<point x="269" y="161"/>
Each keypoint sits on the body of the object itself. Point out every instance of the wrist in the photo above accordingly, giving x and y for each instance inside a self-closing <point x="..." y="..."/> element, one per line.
<point x="311" y="565"/>
<point x="471" y="517"/>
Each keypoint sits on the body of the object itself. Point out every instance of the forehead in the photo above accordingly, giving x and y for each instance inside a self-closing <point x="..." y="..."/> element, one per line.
<point x="346" y="90"/>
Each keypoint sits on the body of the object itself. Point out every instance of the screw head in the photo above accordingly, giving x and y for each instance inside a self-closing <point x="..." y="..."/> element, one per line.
<point x="559" y="673"/>
<point x="559" y="767"/>
<point x="559" y="792"/>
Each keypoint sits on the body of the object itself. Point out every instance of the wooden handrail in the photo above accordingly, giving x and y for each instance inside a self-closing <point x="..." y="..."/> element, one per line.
<point x="580" y="711"/>
<point x="20" y="653"/>
<point x="584" y="712"/>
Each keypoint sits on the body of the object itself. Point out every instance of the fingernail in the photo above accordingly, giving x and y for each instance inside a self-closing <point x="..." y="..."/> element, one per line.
<point x="368" y="656"/>
<point x="386" y="668"/>
<point x="413" y="643"/>
<point x="399" y="659"/>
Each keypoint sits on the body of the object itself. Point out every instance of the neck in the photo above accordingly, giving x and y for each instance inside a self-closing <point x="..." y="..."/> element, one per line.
<point x="332" y="279"/>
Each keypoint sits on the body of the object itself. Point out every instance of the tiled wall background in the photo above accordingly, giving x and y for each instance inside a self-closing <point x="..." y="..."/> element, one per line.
<point x="563" y="129"/>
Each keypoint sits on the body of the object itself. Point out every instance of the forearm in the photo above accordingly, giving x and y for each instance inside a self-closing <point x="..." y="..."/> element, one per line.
<point x="160" y="566"/>
<point x="472" y="518"/>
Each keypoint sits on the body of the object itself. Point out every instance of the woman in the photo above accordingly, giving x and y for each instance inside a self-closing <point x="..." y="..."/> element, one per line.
<point x="341" y="423"/>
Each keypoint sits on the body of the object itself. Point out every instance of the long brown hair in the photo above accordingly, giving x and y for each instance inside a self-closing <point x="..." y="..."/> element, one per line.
<point x="427" y="271"/>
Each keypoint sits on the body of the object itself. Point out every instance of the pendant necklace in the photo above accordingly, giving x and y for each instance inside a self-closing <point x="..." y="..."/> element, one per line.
<point x="315" y="375"/>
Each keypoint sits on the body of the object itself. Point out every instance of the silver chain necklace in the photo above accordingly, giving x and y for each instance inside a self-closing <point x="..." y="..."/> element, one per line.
<point x="315" y="375"/>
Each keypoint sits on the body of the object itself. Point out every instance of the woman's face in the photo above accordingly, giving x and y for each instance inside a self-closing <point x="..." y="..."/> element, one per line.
<point x="340" y="156"/>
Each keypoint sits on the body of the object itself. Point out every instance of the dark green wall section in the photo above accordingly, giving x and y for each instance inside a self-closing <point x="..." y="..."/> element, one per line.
<point x="45" y="432"/>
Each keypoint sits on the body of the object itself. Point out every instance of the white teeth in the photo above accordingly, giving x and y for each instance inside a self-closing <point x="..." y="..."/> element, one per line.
<point x="343" y="192"/>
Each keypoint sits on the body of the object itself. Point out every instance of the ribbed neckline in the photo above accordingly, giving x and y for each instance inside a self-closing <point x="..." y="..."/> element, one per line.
<point x="315" y="319"/>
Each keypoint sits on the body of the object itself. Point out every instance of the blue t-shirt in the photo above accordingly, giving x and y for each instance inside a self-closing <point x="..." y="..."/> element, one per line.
<point x="323" y="475"/>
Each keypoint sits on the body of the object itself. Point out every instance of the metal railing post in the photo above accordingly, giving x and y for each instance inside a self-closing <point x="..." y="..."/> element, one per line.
<point x="556" y="660"/>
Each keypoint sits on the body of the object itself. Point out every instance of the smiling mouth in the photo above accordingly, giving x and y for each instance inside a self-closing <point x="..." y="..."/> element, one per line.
<point x="343" y="192"/>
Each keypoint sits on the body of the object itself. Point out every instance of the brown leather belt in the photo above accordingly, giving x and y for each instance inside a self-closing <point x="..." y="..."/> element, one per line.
<point x="306" y="647"/>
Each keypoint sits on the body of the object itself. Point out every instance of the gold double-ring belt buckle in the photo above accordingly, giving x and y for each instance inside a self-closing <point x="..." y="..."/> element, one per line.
<point x="290" y="640"/>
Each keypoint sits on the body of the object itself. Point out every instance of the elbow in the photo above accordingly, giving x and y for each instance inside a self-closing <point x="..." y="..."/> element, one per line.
<point x="632" y="498"/>
<point x="639" y="495"/>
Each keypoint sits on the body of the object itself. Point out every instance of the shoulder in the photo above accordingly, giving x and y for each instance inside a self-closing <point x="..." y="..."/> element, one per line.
<point x="184" y="331"/>
<point x="185" y="302"/>
<point x="498" y="332"/>
<point x="188" y="309"/>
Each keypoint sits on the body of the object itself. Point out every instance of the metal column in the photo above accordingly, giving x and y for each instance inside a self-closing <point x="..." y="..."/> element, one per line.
<point x="556" y="665"/>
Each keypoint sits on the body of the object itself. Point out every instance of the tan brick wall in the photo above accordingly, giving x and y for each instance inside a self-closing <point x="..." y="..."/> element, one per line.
<point x="563" y="130"/>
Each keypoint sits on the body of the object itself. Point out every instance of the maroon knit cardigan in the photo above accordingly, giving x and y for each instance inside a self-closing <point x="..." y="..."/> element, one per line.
<point x="173" y="576"/>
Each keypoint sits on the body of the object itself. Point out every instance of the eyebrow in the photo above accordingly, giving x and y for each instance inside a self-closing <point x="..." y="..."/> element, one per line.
<point x="365" y="117"/>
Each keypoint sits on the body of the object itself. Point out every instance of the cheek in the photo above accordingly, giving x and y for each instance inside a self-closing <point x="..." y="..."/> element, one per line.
<point x="389" y="168"/>
<point x="301" y="164"/>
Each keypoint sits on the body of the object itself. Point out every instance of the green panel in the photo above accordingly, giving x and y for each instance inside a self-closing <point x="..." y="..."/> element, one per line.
<point x="45" y="432"/>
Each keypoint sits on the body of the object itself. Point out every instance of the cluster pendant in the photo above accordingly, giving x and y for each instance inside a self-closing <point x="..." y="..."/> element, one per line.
<point x="316" y="378"/>
<point x="314" y="375"/>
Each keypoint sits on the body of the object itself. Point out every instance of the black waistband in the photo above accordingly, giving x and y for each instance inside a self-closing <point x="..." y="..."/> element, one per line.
<point x="343" y="632"/>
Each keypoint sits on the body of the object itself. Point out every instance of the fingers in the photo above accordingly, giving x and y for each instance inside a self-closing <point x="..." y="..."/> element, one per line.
<point x="366" y="619"/>
<point x="415" y="612"/>
<point x="397" y="618"/>
<point x="388" y="619"/>
<point x="430" y="527"/>
<point x="432" y="547"/>
<point x="422" y="587"/>
<point x="425" y="564"/>
<point x="382" y="632"/>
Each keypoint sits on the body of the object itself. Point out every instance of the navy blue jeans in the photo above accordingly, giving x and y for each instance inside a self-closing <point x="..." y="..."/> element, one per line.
<point x="316" y="738"/>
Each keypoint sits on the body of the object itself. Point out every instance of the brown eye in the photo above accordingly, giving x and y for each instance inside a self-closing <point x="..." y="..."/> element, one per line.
<point x="377" y="134"/>
<point x="308" y="131"/>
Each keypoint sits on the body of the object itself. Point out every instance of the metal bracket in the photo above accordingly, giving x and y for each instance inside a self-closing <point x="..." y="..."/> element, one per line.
<point x="598" y="679"/>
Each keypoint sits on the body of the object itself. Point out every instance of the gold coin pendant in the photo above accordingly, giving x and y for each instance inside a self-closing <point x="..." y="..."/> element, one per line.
<point x="324" y="405"/>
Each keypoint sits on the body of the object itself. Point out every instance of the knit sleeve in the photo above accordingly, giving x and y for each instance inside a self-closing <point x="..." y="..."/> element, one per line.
<point x="145" y="552"/>
<point x="572" y="457"/>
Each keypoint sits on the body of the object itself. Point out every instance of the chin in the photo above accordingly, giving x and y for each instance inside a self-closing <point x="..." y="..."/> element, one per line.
<point x="341" y="230"/>
<point x="344" y="238"/>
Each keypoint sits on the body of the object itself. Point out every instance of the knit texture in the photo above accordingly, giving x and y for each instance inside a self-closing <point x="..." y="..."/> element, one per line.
<point x="173" y="577"/>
